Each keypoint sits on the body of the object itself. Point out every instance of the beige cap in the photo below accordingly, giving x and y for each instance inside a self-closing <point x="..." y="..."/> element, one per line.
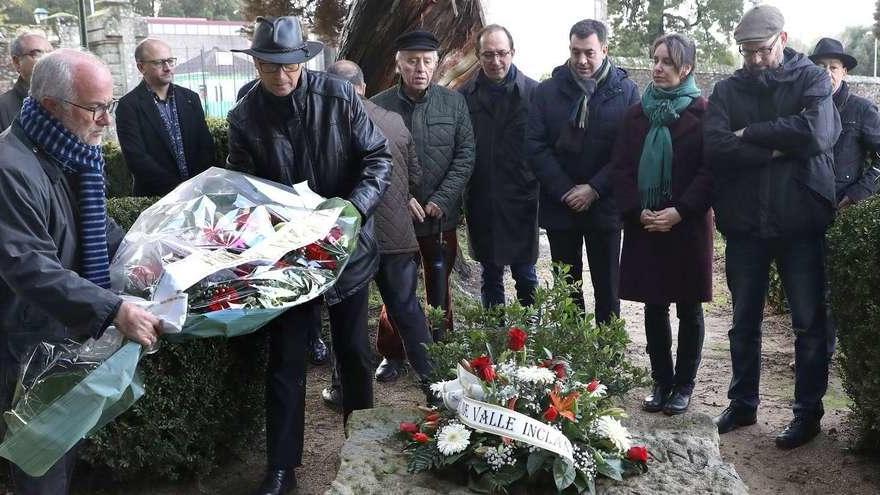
<point x="761" y="23"/>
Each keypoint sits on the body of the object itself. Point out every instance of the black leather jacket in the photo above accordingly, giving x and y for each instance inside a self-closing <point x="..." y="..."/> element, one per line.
<point x="320" y="133"/>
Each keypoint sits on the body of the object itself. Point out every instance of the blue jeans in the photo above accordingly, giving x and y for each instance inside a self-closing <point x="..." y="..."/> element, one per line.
<point x="801" y="263"/>
<point x="493" y="283"/>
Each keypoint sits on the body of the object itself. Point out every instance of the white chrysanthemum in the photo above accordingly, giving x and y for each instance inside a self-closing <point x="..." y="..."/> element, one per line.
<point x="439" y="387"/>
<point x="535" y="374"/>
<point x="611" y="429"/>
<point x="453" y="438"/>
<point x="601" y="391"/>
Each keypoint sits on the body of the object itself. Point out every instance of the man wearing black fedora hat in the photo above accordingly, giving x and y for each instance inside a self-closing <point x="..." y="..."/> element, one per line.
<point x="298" y="125"/>
<point x="856" y="166"/>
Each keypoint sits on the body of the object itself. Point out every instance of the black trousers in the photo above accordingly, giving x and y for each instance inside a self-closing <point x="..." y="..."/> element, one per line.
<point x="56" y="481"/>
<point x="286" y="373"/>
<point x="658" y="332"/>
<point x="603" y="256"/>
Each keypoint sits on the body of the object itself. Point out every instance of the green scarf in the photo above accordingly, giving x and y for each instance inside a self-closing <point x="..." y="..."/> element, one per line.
<point x="662" y="107"/>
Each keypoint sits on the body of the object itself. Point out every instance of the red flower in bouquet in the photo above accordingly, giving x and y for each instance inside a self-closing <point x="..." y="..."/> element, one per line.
<point x="420" y="437"/>
<point x="407" y="427"/>
<point x="560" y="370"/>
<point x="551" y="414"/>
<point x="222" y="298"/>
<point x="434" y="416"/>
<point x="334" y="235"/>
<point x="637" y="453"/>
<point x="483" y="368"/>
<point x="314" y="252"/>
<point x="516" y="339"/>
<point x="593" y="385"/>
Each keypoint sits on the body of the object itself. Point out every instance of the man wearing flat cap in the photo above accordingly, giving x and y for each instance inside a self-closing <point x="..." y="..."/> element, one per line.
<point x="440" y="124"/>
<point x="770" y="133"/>
<point x="298" y="125"/>
<point x="856" y="162"/>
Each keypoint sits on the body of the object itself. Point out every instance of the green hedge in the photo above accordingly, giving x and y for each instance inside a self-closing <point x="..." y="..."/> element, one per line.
<point x="204" y="400"/>
<point x="119" y="178"/>
<point x="854" y="272"/>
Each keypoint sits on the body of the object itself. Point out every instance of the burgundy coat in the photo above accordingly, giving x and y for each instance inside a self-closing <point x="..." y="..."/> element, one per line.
<point x="674" y="266"/>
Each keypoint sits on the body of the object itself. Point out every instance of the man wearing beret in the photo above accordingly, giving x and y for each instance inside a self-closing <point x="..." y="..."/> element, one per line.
<point x="298" y="125"/>
<point x="856" y="166"/>
<point x="769" y="134"/>
<point x="440" y="124"/>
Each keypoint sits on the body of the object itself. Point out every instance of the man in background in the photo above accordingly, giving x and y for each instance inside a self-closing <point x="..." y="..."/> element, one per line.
<point x="24" y="51"/>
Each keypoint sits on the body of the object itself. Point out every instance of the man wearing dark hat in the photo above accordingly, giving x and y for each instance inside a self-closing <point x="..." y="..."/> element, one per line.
<point x="298" y="125"/>
<point x="769" y="134"/>
<point x="440" y="123"/>
<point x="856" y="166"/>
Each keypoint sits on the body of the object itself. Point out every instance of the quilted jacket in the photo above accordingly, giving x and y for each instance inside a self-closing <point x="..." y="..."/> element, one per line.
<point x="394" y="225"/>
<point x="441" y="128"/>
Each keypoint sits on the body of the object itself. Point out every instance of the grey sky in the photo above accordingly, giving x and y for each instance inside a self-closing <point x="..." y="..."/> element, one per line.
<point x="540" y="28"/>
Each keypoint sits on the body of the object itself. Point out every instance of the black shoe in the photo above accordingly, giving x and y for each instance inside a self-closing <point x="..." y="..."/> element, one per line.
<point x="277" y="482"/>
<point x="389" y="370"/>
<point x="733" y="418"/>
<point x="677" y="403"/>
<point x="318" y="353"/>
<point x="655" y="401"/>
<point x="332" y="398"/>
<point x="798" y="432"/>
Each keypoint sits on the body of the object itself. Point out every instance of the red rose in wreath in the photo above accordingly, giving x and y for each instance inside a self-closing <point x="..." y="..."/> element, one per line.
<point x="516" y="339"/>
<point x="314" y="252"/>
<point x="222" y="298"/>
<point x="483" y="367"/>
<point x="637" y="453"/>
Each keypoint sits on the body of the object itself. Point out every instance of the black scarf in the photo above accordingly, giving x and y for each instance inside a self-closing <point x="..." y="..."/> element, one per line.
<point x="840" y="96"/>
<point x="495" y="95"/>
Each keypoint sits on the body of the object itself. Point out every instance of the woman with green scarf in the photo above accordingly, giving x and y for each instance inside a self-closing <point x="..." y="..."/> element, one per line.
<point x="664" y="190"/>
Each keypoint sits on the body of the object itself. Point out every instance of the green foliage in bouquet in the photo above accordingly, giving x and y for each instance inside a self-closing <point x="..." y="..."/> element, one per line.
<point x="854" y="273"/>
<point x="554" y="323"/>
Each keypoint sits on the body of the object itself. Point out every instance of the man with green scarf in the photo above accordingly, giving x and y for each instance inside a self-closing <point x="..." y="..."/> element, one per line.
<point x="573" y="123"/>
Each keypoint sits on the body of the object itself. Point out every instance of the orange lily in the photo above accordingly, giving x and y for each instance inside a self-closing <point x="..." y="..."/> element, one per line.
<point x="564" y="405"/>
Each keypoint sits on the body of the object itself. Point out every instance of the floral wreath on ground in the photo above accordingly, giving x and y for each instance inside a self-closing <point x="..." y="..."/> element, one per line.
<point x="537" y="393"/>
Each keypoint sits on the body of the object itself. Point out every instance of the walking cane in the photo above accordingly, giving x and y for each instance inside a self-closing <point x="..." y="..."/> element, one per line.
<point x="437" y="285"/>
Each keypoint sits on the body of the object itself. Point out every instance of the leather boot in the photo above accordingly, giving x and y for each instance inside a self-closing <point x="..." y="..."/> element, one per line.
<point x="658" y="397"/>
<point x="800" y="431"/>
<point x="732" y="418"/>
<point x="678" y="402"/>
<point x="277" y="482"/>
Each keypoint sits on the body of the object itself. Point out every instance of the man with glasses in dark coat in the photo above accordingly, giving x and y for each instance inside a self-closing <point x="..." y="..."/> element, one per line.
<point x="769" y="135"/>
<point x="502" y="195"/>
<point x="24" y="50"/>
<point x="299" y="125"/>
<point x="161" y="126"/>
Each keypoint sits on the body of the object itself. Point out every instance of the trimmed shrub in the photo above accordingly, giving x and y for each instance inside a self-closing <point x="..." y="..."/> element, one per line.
<point x="854" y="272"/>
<point x="204" y="400"/>
<point x="119" y="180"/>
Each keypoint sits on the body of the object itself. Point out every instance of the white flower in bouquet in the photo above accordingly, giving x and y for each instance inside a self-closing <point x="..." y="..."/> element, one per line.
<point x="597" y="389"/>
<point x="536" y="375"/>
<point x="453" y="438"/>
<point x="499" y="456"/>
<point x="439" y="387"/>
<point x="610" y="428"/>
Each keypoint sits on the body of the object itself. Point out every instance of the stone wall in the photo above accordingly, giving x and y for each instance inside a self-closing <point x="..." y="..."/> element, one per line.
<point x="640" y="72"/>
<point x="112" y="33"/>
<point x="59" y="34"/>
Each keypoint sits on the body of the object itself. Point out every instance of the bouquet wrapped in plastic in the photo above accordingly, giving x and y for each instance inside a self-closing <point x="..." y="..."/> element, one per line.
<point x="220" y="255"/>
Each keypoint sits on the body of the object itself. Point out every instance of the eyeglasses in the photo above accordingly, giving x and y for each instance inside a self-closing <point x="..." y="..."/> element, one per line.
<point x="34" y="54"/>
<point x="170" y="62"/>
<point x="501" y="54"/>
<point x="98" y="111"/>
<point x="763" y="51"/>
<point x="270" y="68"/>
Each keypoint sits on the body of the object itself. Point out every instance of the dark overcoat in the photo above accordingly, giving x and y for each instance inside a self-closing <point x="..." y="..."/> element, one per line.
<point x="146" y="144"/>
<point x="674" y="266"/>
<point x="558" y="170"/>
<point x="502" y="195"/>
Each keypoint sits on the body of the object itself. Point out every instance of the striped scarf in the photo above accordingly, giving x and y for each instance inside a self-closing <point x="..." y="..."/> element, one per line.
<point x="76" y="158"/>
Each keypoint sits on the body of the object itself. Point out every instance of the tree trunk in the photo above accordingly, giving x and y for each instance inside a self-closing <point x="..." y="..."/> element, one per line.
<point x="372" y="26"/>
<point x="655" y="20"/>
